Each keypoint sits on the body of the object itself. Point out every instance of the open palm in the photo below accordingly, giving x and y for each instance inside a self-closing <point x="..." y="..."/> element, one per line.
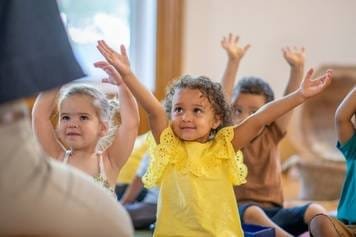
<point x="310" y="87"/>
<point x="232" y="47"/>
<point x="119" y="60"/>
<point x="294" y="56"/>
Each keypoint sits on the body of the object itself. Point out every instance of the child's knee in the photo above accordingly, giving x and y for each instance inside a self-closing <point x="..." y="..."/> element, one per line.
<point x="252" y="213"/>
<point x="318" y="221"/>
<point x="319" y="224"/>
<point x="313" y="210"/>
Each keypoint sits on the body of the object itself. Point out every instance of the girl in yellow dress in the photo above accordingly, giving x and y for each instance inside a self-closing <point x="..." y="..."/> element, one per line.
<point x="196" y="156"/>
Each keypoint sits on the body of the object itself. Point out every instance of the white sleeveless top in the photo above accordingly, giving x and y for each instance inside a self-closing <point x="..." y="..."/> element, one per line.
<point x="101" y="178"/>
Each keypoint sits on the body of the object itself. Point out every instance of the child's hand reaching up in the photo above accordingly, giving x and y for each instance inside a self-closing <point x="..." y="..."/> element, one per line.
<point x="119" y="60"/>
<point x="295" y="57"/>
<point x="231" y="45"/>
<point x="310" y="87"/>
<point x="114" y="77"/>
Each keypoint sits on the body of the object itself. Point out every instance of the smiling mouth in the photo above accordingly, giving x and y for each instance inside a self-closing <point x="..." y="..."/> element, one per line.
<point x="73" y="134"/>
<point x="188" y="128"/>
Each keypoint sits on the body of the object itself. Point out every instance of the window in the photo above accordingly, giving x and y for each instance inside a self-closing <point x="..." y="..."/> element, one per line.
<point x="132" y="23"/>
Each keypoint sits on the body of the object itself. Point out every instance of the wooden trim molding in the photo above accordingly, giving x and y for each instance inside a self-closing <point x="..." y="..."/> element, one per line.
<point x="169" y="43"/>
<point x="169" y="48"/>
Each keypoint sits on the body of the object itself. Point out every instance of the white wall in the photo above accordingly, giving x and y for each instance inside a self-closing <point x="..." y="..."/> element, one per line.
<point x="326" y="28"/>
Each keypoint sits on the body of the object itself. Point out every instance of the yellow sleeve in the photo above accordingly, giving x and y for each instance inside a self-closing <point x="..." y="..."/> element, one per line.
<point x="238" y="169"/>
<point x="161" y="155"/>
<point x="225" y="150"/>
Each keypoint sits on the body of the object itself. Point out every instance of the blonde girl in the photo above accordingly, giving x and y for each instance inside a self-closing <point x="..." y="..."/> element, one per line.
<point x="84" y="117"/>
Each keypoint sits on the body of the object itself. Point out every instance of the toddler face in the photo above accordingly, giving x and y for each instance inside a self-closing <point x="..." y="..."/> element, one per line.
<point x="79" y="126"/>
<point x="246" y="104"/>
<point x="192" y="115"/>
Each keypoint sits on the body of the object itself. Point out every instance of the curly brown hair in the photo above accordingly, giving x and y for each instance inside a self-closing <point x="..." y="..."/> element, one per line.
<point x="211" y="90"/>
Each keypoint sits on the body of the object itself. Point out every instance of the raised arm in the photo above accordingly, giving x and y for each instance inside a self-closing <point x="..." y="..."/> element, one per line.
<point x="295" y="58"/>
<point x="132" y="191"/>
<point x="126" y="134"/>
<point x="235" y="53"/>
<point x="268" y="113"/>
<point x="345" y="111"/>
<point x="156" y="113"/>
<point x="42" y="126"/>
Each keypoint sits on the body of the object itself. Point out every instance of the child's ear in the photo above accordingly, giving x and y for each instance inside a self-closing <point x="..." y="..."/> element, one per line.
<point x="104" y="127"/>
<point x="217" y="121"/>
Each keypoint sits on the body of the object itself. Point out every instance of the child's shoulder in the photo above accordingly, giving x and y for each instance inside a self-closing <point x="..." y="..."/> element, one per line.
<point x="225" y="133"/>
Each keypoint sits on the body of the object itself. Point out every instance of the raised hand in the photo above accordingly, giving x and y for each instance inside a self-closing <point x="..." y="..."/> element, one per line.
<point x="294" y="56"/>
<point x="119" y="60"/>
<point x="232" y="47"/>
<point x="114" y="77"/>
<point x="310" y="87"/>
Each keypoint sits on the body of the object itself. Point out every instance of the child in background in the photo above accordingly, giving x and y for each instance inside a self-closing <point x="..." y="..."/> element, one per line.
<point x="129" y="170"/>
<point x="261" y="198"/>
<point x="142" y="213"/>
<point x="196" y="156"/>
<point x="84" y="117"/>
<point x="345" y="223"/>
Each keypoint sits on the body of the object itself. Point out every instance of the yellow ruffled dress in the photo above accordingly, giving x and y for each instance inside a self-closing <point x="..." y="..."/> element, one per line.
<point x="196" y="185"/>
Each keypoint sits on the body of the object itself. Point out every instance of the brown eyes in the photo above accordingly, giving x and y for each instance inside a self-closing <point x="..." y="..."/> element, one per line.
<point x="65" y="118"/>
<point x="240" y="111"/>
<point x="82" y="118"/>
<point x="195" y="110"/>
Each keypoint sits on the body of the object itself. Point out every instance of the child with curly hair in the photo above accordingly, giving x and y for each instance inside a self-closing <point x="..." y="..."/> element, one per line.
<point x="196" y="157"/>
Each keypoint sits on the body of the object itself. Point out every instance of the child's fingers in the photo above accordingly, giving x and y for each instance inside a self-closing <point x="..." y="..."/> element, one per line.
<point x="101" y="45"/>
<point x="329" y="78"/>
<point x="309" y="74"/>
<point x="106" y="46"/>
<point x="247" y="47"/>
<point x="230" y="37"/>
<point x="103" y="52"/>
<point x="284" y="51"/>
<point x="101" y="64"/>
<point x="123" y="50"/>
<point x="325" y="82"/>
<point x="106" y="80"/>
<point x="222" y="42"/>
<point x="236" y="39"/>
<point x="322" y="81"/>
<point x="108" y="68"/>
<point x="110" y="81"/>
<point x="326" y="76"/>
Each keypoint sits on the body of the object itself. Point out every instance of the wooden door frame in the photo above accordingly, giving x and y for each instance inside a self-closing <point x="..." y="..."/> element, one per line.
<point x="169" y="48"/>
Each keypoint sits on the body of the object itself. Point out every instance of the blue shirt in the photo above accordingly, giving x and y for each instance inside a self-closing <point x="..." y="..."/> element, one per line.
<point x="346" y="211"/>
